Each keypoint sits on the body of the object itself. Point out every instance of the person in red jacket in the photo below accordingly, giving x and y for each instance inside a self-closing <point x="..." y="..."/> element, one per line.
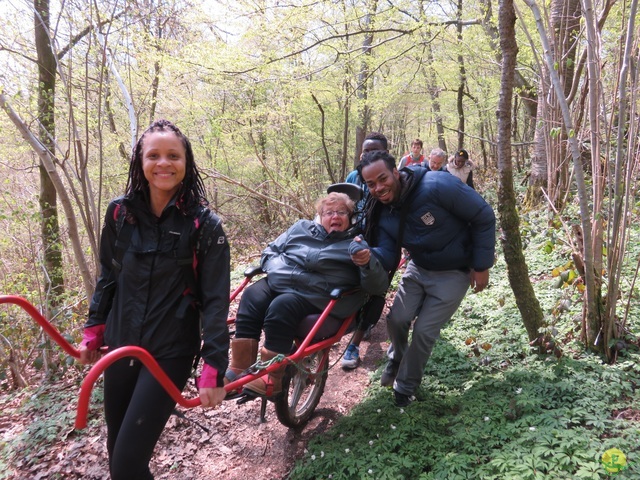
<point x="150" y="239"/>
<point x="415" y="157"/>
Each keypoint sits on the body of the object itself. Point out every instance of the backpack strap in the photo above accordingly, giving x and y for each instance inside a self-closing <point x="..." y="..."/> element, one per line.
<point x="187" y="259"/>
<point x="124" y="232"/>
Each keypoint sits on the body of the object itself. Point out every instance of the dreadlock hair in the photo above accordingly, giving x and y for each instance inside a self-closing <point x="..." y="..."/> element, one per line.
<point x="379" y="137"/>
<point x="191" y="193"/>
<point x="375" y="155"/>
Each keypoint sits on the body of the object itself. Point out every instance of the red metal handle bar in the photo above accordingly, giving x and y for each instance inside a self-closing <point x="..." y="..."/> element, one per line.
<point x="145" y="357"/>
<point x="240" y="287"/>
<point x="37" y="316"/>
<point x="122" y="352"/>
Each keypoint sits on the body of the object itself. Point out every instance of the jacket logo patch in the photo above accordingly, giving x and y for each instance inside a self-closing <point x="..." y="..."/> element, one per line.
<point x="428" y="219"/>
<point x="220" y="240"/>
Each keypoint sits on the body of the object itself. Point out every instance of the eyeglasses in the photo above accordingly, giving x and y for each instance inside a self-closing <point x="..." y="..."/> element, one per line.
<point x="331" y="213"/>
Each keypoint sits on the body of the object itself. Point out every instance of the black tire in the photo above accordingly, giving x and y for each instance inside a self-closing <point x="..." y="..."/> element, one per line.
<point x="302" y="389"/>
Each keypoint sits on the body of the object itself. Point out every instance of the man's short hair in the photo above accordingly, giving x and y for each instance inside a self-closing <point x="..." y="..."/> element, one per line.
<point x="379" y="137"/>
<point x="438" y="152"/>
<point x="375" y="155"/>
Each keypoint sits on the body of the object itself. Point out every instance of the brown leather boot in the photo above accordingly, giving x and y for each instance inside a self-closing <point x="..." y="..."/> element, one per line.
<point x="244" y="352"/>
<point x="268" y="385"/>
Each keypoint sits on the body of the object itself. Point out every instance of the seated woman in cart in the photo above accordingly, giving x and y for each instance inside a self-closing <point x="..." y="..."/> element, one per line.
<point x="303" y="265"/>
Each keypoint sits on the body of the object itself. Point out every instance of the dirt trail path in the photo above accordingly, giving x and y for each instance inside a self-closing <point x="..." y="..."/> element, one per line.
<point x="237" y="447"/>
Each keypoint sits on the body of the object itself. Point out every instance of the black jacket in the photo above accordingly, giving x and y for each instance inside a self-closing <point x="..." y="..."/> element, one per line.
<point x="150" y="286"/>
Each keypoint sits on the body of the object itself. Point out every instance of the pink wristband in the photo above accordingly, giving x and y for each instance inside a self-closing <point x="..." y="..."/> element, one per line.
<point x="93" y="337"/>
<point x="209" y="377"/>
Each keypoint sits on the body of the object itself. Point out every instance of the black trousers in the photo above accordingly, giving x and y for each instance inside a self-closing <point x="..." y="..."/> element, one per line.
<point x="279" y="314"/>
<point x="136" y="409"/>
<point x="371" y="312"/>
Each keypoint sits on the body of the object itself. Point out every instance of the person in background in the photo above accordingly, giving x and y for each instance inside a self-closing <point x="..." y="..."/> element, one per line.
<point x="414" y="157"/>
<point x="303" y="266"/>
<point x="140" y="296"/>
<point x="373" y="141"/>
<point x="437" y="161"/>
<point x="460" y="166"/>
<point x="449" y="231"/>
<point x="371" y="311"/>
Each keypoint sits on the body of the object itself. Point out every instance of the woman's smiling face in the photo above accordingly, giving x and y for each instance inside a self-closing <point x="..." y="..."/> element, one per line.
<point x="163" y="162"/>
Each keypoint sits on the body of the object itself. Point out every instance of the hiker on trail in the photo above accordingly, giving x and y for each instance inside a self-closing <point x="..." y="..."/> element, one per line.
<point x="414" y="157"/>
<point x="303" y="266"/>
<point x="373" y="141"/>
<point x="163" y="286"/>
<point x="449" y="231"/>
<point x="437" y="161"/>
<point x="372" y="310"/>
<point x="460" y="166"/>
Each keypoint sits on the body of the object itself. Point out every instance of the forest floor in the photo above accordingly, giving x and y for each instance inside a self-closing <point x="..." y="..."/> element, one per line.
<point x="237" y="445"/>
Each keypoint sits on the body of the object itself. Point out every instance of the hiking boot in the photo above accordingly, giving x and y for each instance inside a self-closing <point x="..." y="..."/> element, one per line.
<point x="244" y="352"/>
<point x="402" y="400"/>
<point x="389" y="374"/>
<point x="269" y="385"/>
<point x="351" y="357"/>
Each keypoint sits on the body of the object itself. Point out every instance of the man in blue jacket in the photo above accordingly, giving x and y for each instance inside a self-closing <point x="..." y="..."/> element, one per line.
<point x="449" y="231"/>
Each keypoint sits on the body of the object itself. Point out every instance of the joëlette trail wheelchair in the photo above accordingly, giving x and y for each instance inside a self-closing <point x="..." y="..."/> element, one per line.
<point x="303" y="383"/>
<point x="306" y="370"/>
<point x="307" y="365"/>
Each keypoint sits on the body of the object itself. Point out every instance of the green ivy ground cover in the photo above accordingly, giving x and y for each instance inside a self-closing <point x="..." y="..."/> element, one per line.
<point x="490" y="407"/>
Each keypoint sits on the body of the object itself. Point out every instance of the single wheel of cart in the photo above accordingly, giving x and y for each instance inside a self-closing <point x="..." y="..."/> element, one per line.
<point x="302" y="386"/>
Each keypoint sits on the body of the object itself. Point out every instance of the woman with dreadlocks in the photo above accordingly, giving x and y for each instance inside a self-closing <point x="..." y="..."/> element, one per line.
<point x="164" y="261"/>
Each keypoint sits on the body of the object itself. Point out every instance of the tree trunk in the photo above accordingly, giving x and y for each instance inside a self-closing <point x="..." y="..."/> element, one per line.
<point x="345" y="133"/>
<point x="434" y="94"/>
<point x="550" y="164"/>
<point x="627" y="142"/>
<point x="517" y="269"/>
<point x="525" y="91"/>
<point x="50" y="228"/>
<point x="592" y="299"/>
<point x="362" y="91"/>
<point x="462" y="81"/>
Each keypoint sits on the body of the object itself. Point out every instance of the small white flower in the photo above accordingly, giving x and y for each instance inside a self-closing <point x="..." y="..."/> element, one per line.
<point x="321" y="454"/>
<point x="393" y="427"/>
<point x="487" y="419"/>
<point x="346" y="450"/>
<point x="370" y="442"/>
<point x="313" y="457"/>
<point x="518" y="391"/>
<point x="377" y="435"/>
<point x="533" y="429"/>
<point x="341" y="435"/>
<point x="402" y="410"/>
<point x="379" y="410"/>
<point x="370" y="472"/>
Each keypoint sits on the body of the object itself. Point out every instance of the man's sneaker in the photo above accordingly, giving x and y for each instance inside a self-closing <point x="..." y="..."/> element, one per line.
<point x="402" y="400"/>
<point x="351" y="357"/>
<point x="389" y="374"/>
